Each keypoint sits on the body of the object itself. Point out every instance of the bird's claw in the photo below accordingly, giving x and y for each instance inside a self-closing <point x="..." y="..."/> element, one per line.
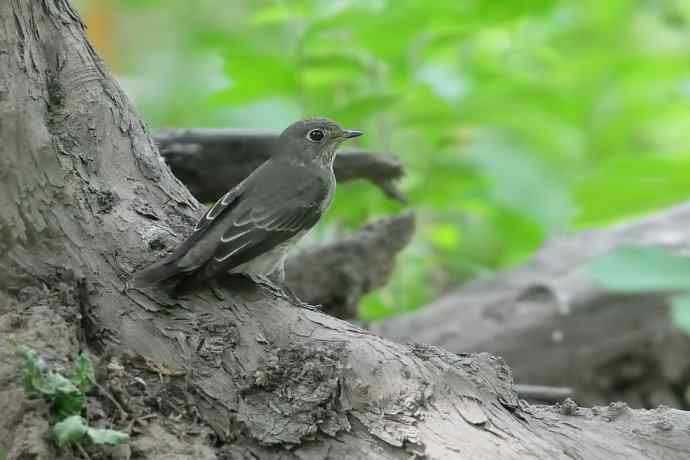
<point x="217" y="292"/>
<point x="295" y="300"/>
<point x="268" y="285"/>
<point x="284" y="292"/>
<point x="308" y="306"/>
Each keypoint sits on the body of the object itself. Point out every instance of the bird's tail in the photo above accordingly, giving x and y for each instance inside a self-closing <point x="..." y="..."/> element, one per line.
<point x="155" y="274"/>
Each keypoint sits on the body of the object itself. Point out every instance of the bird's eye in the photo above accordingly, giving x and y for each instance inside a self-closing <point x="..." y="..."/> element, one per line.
<point x="315" y="135"/>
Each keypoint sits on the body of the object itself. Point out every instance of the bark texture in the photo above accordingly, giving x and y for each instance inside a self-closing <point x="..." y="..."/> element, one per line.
<point x="85" y="200"/>
<point x="555" y="326"/>
<point x="211" y="161"/>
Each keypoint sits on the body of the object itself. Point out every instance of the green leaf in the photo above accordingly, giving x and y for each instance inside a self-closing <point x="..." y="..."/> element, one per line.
<point x="84" y="376"/>
<point x="54" y="385"/>
<point x="70" y="430"/>
<point x="680" y="312"/>
<point x="34" y="370"/>
<point x="103" y="436"/>
<point x="641" y="269"/>
<point x="74" y="429"/>
<point x="65" y="397"/>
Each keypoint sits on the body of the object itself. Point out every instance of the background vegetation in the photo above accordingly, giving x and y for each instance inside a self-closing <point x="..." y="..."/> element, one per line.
<point x="516" y="120"/>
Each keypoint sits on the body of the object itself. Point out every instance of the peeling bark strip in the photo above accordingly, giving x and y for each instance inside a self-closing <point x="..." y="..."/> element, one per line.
<point x="555" y="327"/>
<point x="84" y="194"/>
<point x="211" y="161"/>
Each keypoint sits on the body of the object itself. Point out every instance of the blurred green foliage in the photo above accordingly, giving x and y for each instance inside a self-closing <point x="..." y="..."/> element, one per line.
<point x="516" y="120"/>
<point x="638" y="269"/>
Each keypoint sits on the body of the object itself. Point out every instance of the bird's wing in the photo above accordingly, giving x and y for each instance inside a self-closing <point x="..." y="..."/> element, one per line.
<point x="201" y="244"/>
<point x="194" y="251"/>
<point x="256" y="226"/>
<point x="275" y="203"/>
<point x="224" y="203"/>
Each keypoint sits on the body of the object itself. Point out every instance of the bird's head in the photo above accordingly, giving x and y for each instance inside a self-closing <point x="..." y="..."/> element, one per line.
<point x="313" y="140"/>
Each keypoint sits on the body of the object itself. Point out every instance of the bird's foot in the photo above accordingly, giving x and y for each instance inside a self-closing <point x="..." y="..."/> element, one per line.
<point x="307" y="306"/>
<point x="267" y="284"/>
<point x="283" y="292"/>
<point x="299" y="302"/>
<point x="126" y="286"/>
<point x="215" y="289"/>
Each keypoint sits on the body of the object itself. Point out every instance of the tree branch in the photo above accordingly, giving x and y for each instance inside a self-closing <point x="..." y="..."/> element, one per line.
<point x="211" y="161"/>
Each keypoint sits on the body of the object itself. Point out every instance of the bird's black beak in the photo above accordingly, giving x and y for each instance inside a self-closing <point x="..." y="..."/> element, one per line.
<point x="350" y="133"/>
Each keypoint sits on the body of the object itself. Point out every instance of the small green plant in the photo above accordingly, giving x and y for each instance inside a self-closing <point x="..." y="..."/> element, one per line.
<point x="67" y="398"/>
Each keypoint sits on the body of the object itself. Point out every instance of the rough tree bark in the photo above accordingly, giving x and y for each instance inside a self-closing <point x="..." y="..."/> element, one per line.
<point x="84" y="201"/>
<point x="554" y="326"/>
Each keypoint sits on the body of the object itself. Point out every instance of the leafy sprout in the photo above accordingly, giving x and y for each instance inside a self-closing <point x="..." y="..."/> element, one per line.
<point x="67" y="398"/>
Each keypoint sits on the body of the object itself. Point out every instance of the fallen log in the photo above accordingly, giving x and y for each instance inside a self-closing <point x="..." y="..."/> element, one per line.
<point x="555" y="326"/>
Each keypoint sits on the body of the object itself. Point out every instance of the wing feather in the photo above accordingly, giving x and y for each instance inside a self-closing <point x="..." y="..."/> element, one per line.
<point x="190" y="255"/>
<point x="258" y="227"/>
<point x="260" y="213"/>
<point x="260" y="235"/>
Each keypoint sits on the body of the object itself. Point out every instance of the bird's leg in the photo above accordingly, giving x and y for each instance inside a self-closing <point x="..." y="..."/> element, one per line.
<point x="281" y="290"/>
<point x="299" y="302"/>
<point x="266" y="283"/>
<point x="215" y="289"/>
<point x="279" y="274"/>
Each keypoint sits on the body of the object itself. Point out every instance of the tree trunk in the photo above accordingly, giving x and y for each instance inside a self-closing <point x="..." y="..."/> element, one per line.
<point x="85" y="200"/>
<point x="553" y="325"/>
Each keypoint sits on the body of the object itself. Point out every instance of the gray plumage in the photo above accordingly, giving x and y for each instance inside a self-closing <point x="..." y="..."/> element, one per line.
<point x="250" y="229"/>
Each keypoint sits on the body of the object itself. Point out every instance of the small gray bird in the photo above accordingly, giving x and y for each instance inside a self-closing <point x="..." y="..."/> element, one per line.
<point x="250" y="229"/>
